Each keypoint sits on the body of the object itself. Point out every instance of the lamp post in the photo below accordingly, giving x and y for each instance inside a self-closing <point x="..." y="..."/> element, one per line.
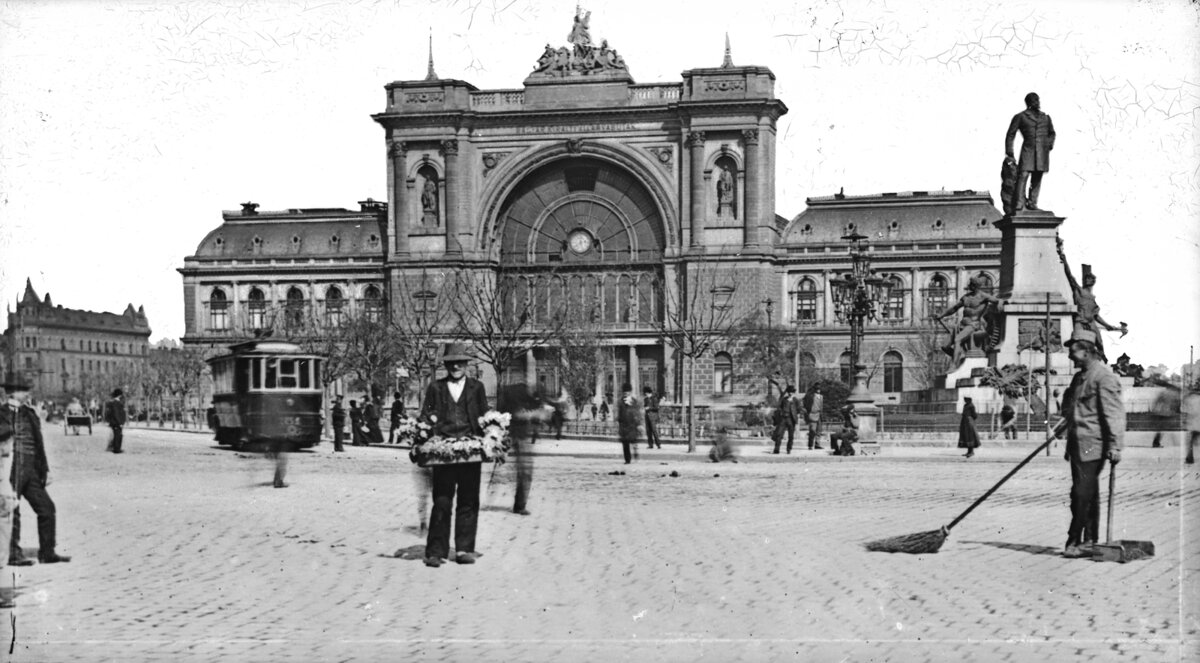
<point x="856" y="299"/>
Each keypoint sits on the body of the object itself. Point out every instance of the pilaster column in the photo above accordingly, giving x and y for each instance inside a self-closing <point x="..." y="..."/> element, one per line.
<point x="958" y="281"/>
<point x="530" y="367"/>
<point x="914" y="300"/>
<point x="753" y="193"/>
<point x="826" y="299"/>
<point x="695" y="143"/>
<point x="399" y="212"/>
<point x="635" y="378"/>
<point x="235" y="318"/>
<point x="455" y="180"/>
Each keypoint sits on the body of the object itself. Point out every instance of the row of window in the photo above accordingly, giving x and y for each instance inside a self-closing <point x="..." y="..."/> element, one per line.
<point x="295" y="307"/>
<point x="893" y="370"/>
<point x="937" y="296"/>
<point x="87" y="345"/>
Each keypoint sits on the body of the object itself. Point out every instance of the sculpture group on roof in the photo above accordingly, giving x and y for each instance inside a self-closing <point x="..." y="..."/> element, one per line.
<point x="582" y="57"/>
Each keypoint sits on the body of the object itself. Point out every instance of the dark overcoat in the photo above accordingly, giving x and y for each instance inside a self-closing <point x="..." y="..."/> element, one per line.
<point x="1037" y="139"/>
<point x="41" y="466"/>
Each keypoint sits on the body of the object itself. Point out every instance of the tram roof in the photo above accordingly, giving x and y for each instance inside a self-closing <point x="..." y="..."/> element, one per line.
<point x="261" y="347"/>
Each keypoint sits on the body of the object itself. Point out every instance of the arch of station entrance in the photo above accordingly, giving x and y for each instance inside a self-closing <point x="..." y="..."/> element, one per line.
<point x="487" y="228"/>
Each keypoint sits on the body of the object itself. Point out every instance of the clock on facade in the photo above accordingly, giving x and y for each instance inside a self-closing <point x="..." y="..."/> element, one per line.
<point x="580" y="241"/>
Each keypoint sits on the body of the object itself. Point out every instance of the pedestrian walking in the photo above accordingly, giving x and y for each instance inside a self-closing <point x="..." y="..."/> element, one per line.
<point x="968" y="437"/>
<point x="395" y="414"/>
<point x="785" y="419"/>
<point x="370" y="415"/>
<point x="357" y="434"/>
<point x="1095" y="420"/>
<point x="813" y="403"/>
<point x="528" y="409"/>
<point x="30" y="474"/>
<point x="650" y="404"/>
<point x="629" y="420"/>
<point x="453" y="406"/>
<point x="278" y="450"/>
<point x="337" y="419"/>
<point x="114" y="416"/>
<point x="604" y="409"/>
<point x="1008" y="421"/>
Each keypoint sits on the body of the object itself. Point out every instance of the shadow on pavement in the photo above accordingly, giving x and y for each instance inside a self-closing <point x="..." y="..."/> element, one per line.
<point x="410" y="553"/>
<point x="1021" y="547"/>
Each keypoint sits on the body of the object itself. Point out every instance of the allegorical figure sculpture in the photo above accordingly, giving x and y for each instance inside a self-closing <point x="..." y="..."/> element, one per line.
<point x="1087" y="311"/>
<point x="429" y="201"/>
<point x="580" y="37"/>
<point x="976" y="326"/>
<point x="725" y="192"/>
<point x="1037" y="139"/>
<point x="582" y="58"/>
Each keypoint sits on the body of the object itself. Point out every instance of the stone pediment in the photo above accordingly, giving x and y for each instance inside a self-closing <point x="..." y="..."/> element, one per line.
<point x="581" y="61"/>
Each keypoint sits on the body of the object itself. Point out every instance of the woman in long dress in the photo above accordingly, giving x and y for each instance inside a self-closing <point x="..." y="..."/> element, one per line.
<point x="967" y="437"/>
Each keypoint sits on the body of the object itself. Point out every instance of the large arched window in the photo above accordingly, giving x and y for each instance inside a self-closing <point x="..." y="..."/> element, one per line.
<point x="806" y="301"/>
<point x="334" y="306"/>
<point x="218" y="310"/>
<point x="893" y="371"/>
<point x="256" y="308"/>
<point x="937" y="295"/>
<point x="723" y="373"/>
<point x="294" y="315"/>
<point x="373" y="303"/>
<point x="893" y="304"/>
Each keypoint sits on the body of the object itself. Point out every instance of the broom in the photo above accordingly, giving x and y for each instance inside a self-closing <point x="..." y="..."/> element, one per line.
<point x="931" y="541"/>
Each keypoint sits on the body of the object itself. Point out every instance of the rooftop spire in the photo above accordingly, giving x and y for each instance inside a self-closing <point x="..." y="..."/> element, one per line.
<point x="728" y="55"/>
<point x="29" y="297"/>
<point x="431" y="75"/>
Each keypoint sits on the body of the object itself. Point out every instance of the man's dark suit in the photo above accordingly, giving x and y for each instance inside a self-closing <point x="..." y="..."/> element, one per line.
<point x="1037" y="139"/>
<point x="450" y="419"/>
<point x="785" y="415"/>
<point x="29" y="473"/>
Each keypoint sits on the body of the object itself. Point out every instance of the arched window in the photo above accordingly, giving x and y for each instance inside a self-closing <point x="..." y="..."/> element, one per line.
<point x="218" y="310"/>
<point x="937" y="295"/>
<point x="844" y="368"/>
<point x="256" y="305"/>
<point x="893" y="371"/>
<point x="806" y="301"/>
<point x="893" y="305"/>
<point x="294" y="314"/>
<point x="723" y="373"/>
<point x="333" y="306"/>
<point x="373" y="303"/>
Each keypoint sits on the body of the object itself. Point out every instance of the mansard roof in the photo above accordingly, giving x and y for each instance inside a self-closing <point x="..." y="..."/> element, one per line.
<point x="907" y="216"/>
<point x="297" y="232"/>
<point x="43" y="314"/>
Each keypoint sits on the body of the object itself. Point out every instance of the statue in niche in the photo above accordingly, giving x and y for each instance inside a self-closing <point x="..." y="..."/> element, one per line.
<point x="725" y="206"/>
<point x="631" y="308"/>
<point x="429" y="199"/>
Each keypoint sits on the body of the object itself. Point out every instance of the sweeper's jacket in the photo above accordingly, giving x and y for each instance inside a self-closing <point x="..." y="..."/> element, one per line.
<point x="1094" y="413"/>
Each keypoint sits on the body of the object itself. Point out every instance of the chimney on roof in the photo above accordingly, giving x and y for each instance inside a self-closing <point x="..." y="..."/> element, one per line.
<point x="840" y="194"/>
<point x="372" y="205"/>
<point x="249" y="209"/>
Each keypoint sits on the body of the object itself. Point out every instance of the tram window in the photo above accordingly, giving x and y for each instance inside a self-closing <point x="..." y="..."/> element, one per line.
<point x="257" y="382"/>
<point x="272" y="374"/>
<point x="243" y="375"/>
<point x="305" y="373"/>
<point x="287" y="373"/>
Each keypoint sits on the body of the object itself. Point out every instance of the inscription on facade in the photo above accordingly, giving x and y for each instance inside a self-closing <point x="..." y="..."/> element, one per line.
<point x="725" y="86"/>
<point x="424" y="97"/>
<point x="575" y="128"/>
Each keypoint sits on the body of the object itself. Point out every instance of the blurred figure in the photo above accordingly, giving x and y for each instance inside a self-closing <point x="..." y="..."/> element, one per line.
<point x="604" y="409"/>
<point x="723" y="447"/>
<point x="114" y="416"/>
<point x="75" y="409"/>
<point x="629" y="420"/>
<point x="650" y="404"/>
<point x="278" y="451"/>
<point x="968" y="438"/>
<point x="8" y="503"/>
<point x="1008" y="421"/>
<point x="337" y="419"/>
<point x="395" y="414"/>
<point x="370" y="415"/>
<point x="1191" y="406"/>
<point x="528" y="409"/>
<point x="356" y="425"/>
<point x="842" y="442"/>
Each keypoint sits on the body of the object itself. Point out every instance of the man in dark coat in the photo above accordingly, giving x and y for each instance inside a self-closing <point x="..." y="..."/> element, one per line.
<point x="337" y="418"/>
<point x="30" y="474"/>
<point x="629" y="420"/>
<point x="370" y="415"/>
<point x="1037" y="139"/>
<point x="356" y="425"/>
<point x="968" y="437"/>
<point x="453" y="406"/>
<point x="650" y="405"/>
<point x="114" y="416"/>
<point x="785" y="419"/>
<point x="813" y="403"/>
<point x="1095" y="419"/>
<point x="394" y="416"/>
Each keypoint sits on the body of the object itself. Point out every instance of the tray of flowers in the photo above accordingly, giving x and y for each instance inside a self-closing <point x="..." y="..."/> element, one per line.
<point x="429" y="449"/>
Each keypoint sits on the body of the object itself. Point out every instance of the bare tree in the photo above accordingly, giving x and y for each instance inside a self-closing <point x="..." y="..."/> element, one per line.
<point x="576" y="350"/>
<point x="421" y="319"/>
<point x="507" y="315"/>
<point x="926" y="345"/>
<point x="699" y="308"/>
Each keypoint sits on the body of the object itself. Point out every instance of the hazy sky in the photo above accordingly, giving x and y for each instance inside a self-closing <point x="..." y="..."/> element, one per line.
<point x="126" y="127"/>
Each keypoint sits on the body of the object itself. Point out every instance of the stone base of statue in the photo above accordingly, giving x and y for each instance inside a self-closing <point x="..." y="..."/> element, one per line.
<point x="868" y="414"/>
<point x="1033" y="285"/>
<point x="970" y="368"/>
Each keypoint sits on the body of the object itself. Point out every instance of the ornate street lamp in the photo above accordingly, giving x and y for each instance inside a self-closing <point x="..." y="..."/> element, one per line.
<point x="856" y="299"/>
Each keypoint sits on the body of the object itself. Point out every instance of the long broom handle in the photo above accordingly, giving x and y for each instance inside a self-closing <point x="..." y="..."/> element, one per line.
<point x="1112" y="488"/>
<point x="1058" y="429"/>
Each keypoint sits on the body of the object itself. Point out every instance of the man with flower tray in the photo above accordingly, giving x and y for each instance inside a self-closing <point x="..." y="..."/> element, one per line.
<point x="453" y="407"/>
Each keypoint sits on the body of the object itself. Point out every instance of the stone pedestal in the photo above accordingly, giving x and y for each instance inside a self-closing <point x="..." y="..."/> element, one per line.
<point x="868" y="414"/>
<point x="1032" y="280"/>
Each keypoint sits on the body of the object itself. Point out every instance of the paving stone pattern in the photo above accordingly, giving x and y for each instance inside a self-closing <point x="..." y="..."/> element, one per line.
<point x="184" y="552"/>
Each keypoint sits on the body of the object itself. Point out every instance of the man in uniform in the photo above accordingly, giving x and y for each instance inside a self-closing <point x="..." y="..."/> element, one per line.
<point x="1037" y="139"/>
<point x="1095" y="431"/>
<point x="30" y="474"/>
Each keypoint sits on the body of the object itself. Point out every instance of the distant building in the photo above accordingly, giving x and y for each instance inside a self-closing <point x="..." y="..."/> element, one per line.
<point x="63" y="350"/>
<point x="589" y="188"/>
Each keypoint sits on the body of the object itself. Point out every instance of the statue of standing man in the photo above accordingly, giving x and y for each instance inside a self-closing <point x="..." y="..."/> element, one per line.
<point x="1037" y="139"/>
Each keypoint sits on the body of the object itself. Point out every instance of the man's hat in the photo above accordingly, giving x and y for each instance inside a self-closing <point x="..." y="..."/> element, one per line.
<point x="15" y="382"/>
<point x="1080" y="334"/>
<point x="455" y="352"/>
<point x="117" y="392"/>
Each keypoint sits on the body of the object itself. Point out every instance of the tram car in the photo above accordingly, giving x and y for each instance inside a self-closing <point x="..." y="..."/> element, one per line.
<point x="266" y="392"/>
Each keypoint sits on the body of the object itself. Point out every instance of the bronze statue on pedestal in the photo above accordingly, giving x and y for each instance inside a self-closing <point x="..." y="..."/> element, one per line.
<point x="1037" y="139"/>
<point x="1087" y="311"/>
<point x="977" y="328"/>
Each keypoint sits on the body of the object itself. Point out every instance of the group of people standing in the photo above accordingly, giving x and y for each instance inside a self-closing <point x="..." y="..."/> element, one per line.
<point x="791" y="410"/>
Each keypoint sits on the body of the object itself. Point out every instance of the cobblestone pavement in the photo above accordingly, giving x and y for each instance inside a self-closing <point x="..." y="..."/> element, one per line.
<point x="184" y="552"/>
